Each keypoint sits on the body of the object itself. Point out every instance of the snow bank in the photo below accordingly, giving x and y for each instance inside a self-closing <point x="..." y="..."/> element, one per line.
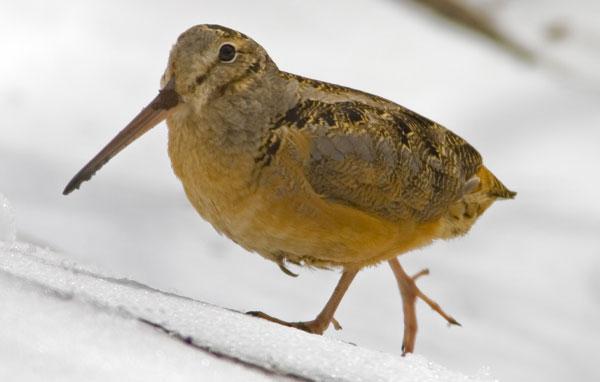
<point x="47" y="335"/>
<point x="66" y="322"/>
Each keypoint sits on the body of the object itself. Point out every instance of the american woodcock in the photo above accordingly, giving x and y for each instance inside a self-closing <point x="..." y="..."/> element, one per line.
<point x="306" y="172"/>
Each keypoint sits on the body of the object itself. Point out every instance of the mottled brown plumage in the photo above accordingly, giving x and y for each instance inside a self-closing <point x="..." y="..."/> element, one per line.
<point x="307" y="172"/>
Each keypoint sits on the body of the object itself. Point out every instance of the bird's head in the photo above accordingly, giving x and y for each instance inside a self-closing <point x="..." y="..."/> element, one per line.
<point x="207" y="62"/>
<point x="210" y="60"/>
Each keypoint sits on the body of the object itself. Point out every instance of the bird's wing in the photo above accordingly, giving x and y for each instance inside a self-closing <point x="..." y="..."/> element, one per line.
<point x="388" y="161"/>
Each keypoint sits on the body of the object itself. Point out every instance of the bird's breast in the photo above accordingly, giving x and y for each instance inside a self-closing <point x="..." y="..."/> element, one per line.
<point x="215" y="176"/>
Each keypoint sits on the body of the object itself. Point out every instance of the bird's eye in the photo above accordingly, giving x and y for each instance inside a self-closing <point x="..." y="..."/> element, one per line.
<point x="227" y="53"/>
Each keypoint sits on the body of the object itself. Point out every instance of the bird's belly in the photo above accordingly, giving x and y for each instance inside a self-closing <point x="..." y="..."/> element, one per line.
<point x="297" y="225"/>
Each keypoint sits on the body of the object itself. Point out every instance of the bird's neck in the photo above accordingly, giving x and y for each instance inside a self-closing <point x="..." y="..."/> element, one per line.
<point x="223" y="137"/>
<point x="242" y="116"/>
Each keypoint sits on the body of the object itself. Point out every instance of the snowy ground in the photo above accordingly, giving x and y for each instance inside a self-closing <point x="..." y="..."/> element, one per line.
<point x="524" y="283"/>
<point x="57" y="329"/>
<point x="66" y="322"/>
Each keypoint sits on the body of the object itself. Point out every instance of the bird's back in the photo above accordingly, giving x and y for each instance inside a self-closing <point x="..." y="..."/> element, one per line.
<point x="372" y="154"/>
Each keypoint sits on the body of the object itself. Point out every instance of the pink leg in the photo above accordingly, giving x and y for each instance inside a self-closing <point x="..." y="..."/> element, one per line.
<point x="409" y="292"/>
<point x="322" y="321"/>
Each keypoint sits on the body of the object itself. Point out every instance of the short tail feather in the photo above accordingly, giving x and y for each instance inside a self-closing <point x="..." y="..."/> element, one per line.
<point x="493" y="186"/>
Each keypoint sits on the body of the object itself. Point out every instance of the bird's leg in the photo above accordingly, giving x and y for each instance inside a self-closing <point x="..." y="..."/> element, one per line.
<point x="410" y="292"/>
<point x="322" y="321"/>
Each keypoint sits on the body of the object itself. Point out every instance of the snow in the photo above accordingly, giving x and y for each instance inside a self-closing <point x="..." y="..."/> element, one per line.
<point x="8" y="229"/>
<point x="67" y="322"/>
<point x="524" y="283"/>
<point x="47" y="336"/>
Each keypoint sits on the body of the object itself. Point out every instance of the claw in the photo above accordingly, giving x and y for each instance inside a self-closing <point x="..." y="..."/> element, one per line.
<point x="314" y="327"/>
<point x="422" y="272"/>
<point x="281" y="264"/>
<point x="336" y="324"/>
<point x="437" y="308"/>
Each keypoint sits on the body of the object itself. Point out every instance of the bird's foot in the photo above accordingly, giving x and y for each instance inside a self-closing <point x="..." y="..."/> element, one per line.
<point x="317" y="326"/>
<point x="432" y="304"/>
<point x="410" y="292"/>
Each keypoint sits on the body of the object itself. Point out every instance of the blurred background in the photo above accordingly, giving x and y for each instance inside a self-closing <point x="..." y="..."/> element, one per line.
<point x="519" y="80"/>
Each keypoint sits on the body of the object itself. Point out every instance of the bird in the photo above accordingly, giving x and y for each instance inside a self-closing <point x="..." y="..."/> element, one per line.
<point x="306" y="172"/>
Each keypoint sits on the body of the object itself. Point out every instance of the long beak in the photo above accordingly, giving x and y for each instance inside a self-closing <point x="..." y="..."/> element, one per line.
<point x="156" y="112"/>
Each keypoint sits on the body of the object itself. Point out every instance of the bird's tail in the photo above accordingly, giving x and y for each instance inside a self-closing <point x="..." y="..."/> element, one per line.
<point x="493" y="186"/>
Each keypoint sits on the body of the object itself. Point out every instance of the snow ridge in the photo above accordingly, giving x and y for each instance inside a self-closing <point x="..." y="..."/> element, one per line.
<point x="233" y="342"/>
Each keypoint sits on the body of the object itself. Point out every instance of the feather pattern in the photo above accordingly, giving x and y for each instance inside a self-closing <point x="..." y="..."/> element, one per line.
<point x="369" y="153"/>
